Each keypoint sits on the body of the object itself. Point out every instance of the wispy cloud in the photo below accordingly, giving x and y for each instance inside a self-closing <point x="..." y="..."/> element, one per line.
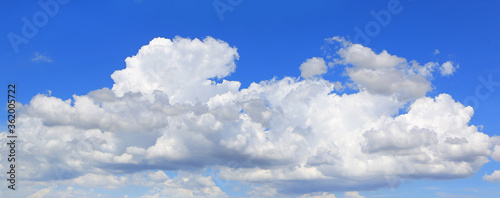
<point x="436" y="51"/>
<point x="38" y="58"/>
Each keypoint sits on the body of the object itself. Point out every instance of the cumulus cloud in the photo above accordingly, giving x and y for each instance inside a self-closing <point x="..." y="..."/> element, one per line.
<point x="381" y="73"/>
<point x="181" y="68"/>
<point x="313" y="67"/>
<point x="384" y="73"/>
<point x="496" y="153"/>
<point x="288" y="136"/>
<point x="494" y="177"/>
<point x="447" y="68"/>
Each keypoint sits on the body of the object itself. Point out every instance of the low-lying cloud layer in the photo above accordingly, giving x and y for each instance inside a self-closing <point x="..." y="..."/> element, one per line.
<point x="289" y="136"/>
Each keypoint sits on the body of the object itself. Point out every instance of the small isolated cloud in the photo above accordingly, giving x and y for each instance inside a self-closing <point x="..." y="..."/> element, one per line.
<point x="494" y="177"/>
<point x="313" y="67"/>
<point x="353" y="194"/>
<point x="447" y="68"/>
<point x="436" y="51"/>
<point x="425" y="70"/>
<point x="38" y="58"/>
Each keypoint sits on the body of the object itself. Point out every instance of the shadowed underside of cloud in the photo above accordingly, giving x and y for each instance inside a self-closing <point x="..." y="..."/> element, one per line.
<point x="279" y="137"/>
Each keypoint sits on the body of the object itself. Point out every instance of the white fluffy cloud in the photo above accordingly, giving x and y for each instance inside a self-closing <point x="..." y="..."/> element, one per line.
<point x="381" y="73"/>
<point x="313" y="67"/>
<point x="384" y="73"/>
<point x="494" y="177"/>
<point x="288" y="136"/>
<point x="447" y="68"/>
<point x="181" y="68"/>
<point x="496" y="153"/>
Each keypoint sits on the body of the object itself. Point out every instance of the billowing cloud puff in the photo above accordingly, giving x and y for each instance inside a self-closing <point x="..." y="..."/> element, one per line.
<point x="313" y="67"/>
<point x="279" y="137"/>
<point x="494" y="177"/>
<point x="181" y="68"/>
<point x="384" y="73"/>
<point x="496" y="153"/>
<point x="447" y="68"/>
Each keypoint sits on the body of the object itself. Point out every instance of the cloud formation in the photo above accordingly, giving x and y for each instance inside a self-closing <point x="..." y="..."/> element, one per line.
<point x="166" y="111"/>
<point x="313" y="67"/>
<point x="494" y="177"/>
<point x="383" y="73"/>
<point x="181" y="68"/>
<point x="40" y="58"/>
<point x="447" y="68"/>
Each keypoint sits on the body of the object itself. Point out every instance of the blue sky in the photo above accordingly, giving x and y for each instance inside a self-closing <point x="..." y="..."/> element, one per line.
<point x="78" y="49"/>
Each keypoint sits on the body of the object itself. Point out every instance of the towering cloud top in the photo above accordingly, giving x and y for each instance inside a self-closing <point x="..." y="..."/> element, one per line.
<point x="182" y="68"/>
